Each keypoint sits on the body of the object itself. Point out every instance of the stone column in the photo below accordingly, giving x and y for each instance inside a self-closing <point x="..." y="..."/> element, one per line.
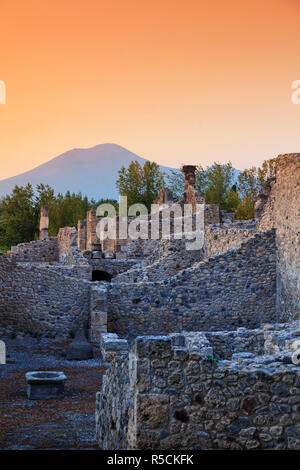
<point x="190" y="178"/>
<point x="81" y="239"/>
<point x="191" y="195"/>
<point x="44" y="222"/>
<point x="92" y="240"/>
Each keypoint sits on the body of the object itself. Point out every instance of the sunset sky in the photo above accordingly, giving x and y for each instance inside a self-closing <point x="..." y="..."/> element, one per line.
<point x="181" y="81"/>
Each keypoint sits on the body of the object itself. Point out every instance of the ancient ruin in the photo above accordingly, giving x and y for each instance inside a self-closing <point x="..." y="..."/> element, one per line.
<point x="201" y="346"/>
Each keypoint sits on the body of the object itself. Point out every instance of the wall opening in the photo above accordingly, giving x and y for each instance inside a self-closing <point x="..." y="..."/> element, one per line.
<point x="101" y="276"/>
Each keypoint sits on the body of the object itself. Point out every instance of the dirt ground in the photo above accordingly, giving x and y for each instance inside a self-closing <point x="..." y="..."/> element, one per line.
<point x="63" y="423"/>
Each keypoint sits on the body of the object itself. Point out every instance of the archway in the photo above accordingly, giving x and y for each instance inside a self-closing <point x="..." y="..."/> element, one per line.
<point x="101" y="276"/>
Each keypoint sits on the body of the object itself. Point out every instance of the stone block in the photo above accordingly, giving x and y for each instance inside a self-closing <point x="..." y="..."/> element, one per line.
<point x="153" y="347"/>
<point x="45" y="384"/>
<point x="79" y="349"/>
<point x="152" y="411"/>
<point x="98" y="319"/>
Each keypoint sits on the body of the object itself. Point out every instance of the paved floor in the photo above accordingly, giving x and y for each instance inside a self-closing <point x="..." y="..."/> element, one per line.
<point x="64" y="423"/>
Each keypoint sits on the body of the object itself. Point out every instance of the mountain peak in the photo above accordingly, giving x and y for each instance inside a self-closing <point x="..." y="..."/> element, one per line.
<point x="92" y="171"/>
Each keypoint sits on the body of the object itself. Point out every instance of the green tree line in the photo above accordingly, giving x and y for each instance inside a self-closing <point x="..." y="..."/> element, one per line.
<point x="217" y="183"/>
<point x="20" y="212"/>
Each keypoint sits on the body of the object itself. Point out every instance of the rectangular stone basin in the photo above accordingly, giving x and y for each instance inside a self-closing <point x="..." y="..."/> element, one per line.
<point x="45" y="384"/>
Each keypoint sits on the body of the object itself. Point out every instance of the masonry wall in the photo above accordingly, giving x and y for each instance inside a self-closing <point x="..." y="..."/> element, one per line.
<point x="116" y="398"/>
<point x="287" y="222"/>
<point x="167" y="395"/>
<point x="220" y="238"/>
<point x="169" y="256"/>
<point x="282" y="212"/>
<point x="234" y="289"/>
<point x="38" y="250"/>
<point x="67" y="239"/>
<point x="36" y="300"/>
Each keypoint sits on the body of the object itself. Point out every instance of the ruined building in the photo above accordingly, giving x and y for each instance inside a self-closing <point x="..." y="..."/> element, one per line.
<point x="201" y="344"/>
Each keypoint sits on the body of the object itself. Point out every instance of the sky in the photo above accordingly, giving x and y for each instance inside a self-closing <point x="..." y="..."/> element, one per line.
<point x="175" y="81"/>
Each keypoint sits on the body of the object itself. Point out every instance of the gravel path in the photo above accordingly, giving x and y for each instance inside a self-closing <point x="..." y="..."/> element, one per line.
<point x="64" y="423"/>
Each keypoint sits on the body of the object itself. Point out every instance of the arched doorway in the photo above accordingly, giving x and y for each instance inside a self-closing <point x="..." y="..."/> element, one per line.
<point x="101" y="276"/>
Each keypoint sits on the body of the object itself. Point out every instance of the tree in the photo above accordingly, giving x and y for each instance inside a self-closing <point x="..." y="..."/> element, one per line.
<point x="267" y="170"/>
<point x="44" y="195"/>
<point x="233" y="200"/>
<point x="214" y="183"/>
<point x="140" y="184"/>
<point x="66" y="210"/>
<point x="217" y="181"/>
<point x="20" y="212"/>
<point x="19" y="219"/>
<point x="175" y="182"/>
<point x="250" y="183"/>
<point x="245" y="209"/>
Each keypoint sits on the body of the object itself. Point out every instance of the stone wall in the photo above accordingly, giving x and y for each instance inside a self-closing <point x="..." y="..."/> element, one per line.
<point x="36" y="300"/>
<point x="98" y="312"/>
<point x="211" y="214"/>
<point x="287" y="223"/>
<point x="113" y="266"/>
<point x="220" y="238"/>
<point x="281" y="211"/>
<point x="226" y="344"/>
<point x="77" y="271"/>
<point x="164" y="394"/>
<point x="114" y="405"/>
<point x="37" y="250"/>
<point x="167" y="257"/>
<point x="137" y="249"/>
<point x="67" y="239"/>
<point x="228" y="291"/>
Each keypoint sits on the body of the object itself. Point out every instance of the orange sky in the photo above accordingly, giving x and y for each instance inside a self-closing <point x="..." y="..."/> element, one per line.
<point x="174" y="81"/>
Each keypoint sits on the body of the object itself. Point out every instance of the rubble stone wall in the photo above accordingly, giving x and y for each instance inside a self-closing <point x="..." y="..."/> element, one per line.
<point x="165" y="394"/>
<point x="230" y="290"/>
<point x="282" y="212"/>
<point x="287" y="223"/>
<point x="220" y="238"/>
<point x="37" y="250"/>
<point x="115" y="403"/>
<point x="39" y="301"/>
<point x="170" y="256"/>
<point x="67" y="239"/>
